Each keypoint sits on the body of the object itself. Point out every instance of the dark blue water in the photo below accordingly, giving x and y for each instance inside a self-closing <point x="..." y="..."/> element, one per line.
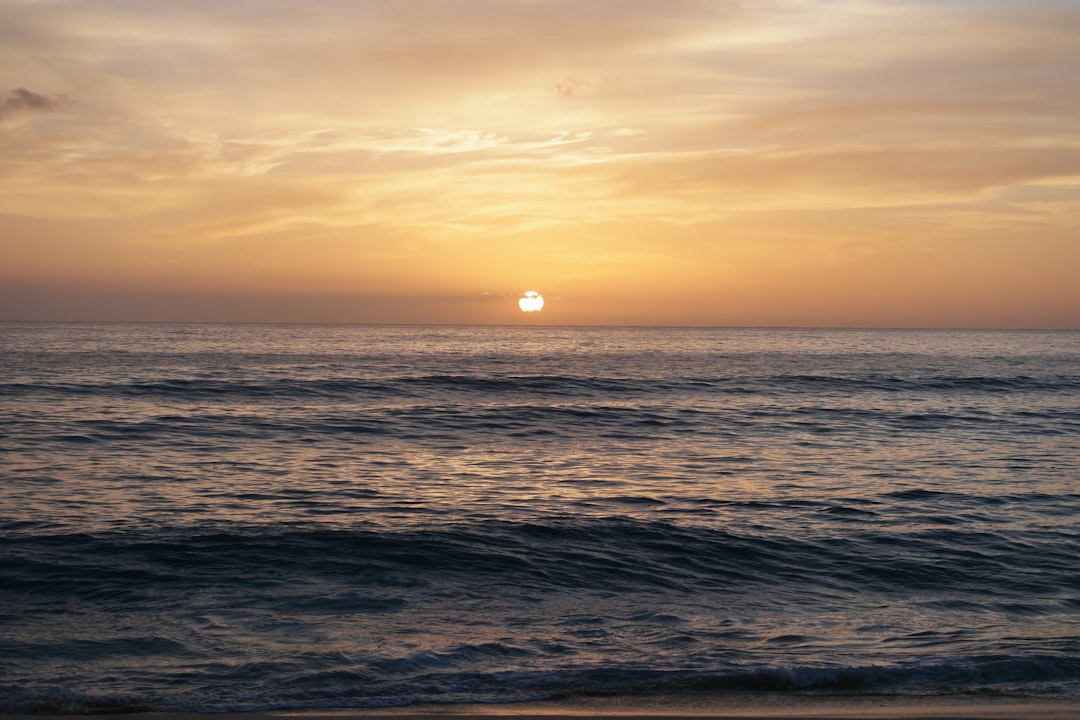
<point x="212" y="517"/>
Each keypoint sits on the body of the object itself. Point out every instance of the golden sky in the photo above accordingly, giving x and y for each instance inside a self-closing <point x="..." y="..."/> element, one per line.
<point x="687" y="162"/>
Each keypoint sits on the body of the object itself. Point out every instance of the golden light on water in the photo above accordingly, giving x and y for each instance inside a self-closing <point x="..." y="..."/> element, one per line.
<point x="531" y="302"/>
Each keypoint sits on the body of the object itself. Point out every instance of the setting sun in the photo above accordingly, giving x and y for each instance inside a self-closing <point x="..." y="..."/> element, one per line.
<point x="531" y="302"/>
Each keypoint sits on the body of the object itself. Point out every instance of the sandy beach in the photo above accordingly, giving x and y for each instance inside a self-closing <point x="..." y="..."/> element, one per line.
<point x="728" y="707"/>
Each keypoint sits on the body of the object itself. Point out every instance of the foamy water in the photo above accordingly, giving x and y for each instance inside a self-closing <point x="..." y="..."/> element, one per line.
<point x="211" y="517"/>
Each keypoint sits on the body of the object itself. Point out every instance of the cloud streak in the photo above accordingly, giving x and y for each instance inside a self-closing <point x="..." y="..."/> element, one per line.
<point x="20" y="100"/>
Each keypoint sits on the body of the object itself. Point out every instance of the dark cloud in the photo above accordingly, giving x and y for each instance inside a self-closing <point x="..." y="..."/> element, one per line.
<point x="23" y="100"/>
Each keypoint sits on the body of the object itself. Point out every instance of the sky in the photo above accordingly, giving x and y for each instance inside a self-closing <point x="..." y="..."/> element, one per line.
<point x="837" y="163"/>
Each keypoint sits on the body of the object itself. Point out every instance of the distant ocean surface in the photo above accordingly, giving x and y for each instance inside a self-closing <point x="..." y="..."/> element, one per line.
<point x="237" y="517"/>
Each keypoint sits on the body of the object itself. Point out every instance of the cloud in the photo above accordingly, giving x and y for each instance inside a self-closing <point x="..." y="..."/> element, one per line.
<point x="572" y="87"/>
<point x="453" y="144"/>
<point x="21" y="100"/>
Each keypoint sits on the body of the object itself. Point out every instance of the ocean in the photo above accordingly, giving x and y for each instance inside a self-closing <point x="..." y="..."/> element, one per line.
<point x="241" y="517"/>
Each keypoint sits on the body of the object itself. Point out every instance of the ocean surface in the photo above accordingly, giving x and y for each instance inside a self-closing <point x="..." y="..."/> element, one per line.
<point x="237" y="517"/>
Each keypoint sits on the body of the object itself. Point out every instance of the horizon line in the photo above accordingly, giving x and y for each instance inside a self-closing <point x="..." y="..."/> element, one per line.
<point x="631" y="326"/>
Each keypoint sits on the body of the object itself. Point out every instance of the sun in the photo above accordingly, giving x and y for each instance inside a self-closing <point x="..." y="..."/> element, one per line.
<point x="531" y="302"/>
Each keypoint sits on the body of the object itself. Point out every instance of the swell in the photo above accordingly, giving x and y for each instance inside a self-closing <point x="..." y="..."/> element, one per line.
<point x="614" y="554"/>
<point x="434" y="678"/>
<point x="430" y="421"/>
<point x="231" y="618"/>
<point x="539" y="385"/>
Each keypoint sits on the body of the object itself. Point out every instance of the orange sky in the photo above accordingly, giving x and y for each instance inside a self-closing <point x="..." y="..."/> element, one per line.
<point x="791" y="162"/>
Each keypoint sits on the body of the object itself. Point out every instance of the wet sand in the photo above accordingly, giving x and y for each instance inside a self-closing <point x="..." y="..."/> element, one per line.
<point x="727" y="707"/>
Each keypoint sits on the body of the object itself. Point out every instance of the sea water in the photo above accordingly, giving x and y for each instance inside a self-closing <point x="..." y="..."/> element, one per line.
<point x="216" y="517"/>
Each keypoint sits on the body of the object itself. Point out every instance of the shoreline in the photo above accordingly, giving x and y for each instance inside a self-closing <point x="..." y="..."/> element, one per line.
<point x="734" y="706"/>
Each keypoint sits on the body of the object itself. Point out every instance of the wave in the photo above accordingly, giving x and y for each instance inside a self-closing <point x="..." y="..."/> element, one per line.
<point x="420" y="386"/>
<point x="463" y="424"/>
<point x="431" y="678"/>
<point x="616" y="554"/>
